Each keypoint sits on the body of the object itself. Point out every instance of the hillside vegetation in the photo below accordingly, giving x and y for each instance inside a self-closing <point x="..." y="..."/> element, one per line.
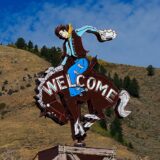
<point x="23" y="133"/>
<point x="142" y="127"/>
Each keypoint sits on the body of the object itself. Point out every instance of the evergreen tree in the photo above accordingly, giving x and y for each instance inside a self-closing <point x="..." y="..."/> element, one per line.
<point x="56" y="54"/>
<point x="117" y="81"/>
<point x="53" y="55"/>
<point x="116" y="130"/>
<point x="97" y="67"/>
<point x="126" y="83"/>
<point x="120" y="83"/>
<point x="109" y="112"/>
<point x="20" y="43"/>
<point x="102" y="70"/>
<point x="131" y="86"/>
<point x="30" y="46"/>
<point x="109" y="76"/>
<point x="134" y="88"/>
<point x="35" y="50"/>
<point x="151" y="70"/>
<point x="44" y="51"/>
<point x="102" y="123"/>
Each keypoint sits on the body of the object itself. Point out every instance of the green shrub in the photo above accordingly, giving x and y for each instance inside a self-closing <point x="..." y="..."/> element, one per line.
<point x="151" y="70"/>
<point x="130" y="145"/>
<point x="28" y="85"/>
<point x="20" y="43"/>
<point x="102" y="123"/>
<point x="2" y="106"/>
<point x="116" y="130"/>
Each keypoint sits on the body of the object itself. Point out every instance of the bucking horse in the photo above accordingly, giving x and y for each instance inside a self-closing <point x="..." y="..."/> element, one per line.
<point x="54" y="101"/>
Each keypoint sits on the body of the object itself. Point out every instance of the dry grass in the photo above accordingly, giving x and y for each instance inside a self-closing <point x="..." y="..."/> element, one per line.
<point x="23" y="133"/>
<point x="142" y="128"/>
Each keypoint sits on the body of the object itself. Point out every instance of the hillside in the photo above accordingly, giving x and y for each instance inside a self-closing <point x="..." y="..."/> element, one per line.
<point x="23" y="133"/>
<point x="142" y="127"/>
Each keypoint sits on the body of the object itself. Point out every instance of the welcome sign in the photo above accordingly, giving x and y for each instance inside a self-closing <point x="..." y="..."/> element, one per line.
<point x="62" y="82"/>
<point x="53" y="97"/>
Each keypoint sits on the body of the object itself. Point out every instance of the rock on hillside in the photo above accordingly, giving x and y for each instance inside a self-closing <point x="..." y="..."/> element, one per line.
<point x="18" y="70"/>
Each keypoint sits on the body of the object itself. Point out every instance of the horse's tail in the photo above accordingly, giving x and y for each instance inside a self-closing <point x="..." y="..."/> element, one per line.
<point x="122" y="103"/>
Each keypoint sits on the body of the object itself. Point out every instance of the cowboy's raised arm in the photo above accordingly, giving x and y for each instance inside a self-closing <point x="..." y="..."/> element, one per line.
<point x="102" y="35"/>
<point x="82" y="30"/>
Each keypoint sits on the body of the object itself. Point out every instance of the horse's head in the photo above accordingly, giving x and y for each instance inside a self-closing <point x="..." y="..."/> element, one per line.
<point x="47" y="98"/>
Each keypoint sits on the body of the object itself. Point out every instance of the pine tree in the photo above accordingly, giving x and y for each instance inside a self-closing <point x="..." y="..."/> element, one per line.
<point x="102" y="70"/>
<point x="30" y="46"/>
<point x="151" y="70"/>
<point x="117" y="81"/>
<point x="44" y="51"/>
<point x="116" y="130"/>
<point x="109" y="76"/>
<point x="120" y="83"/>
<point x="102" y="123"/>
<point x="134" y="88"/>
<point x="20" y="43"/>
<point x="109" y="112"/>
<point x="56" y="54"/>
<point x="97" y="67"/>
<point x="35" y="50"/>
<point x="126" y="83"/>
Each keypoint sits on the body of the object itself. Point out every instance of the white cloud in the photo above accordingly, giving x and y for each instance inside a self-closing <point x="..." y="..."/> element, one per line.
<point x="137" y="24"/>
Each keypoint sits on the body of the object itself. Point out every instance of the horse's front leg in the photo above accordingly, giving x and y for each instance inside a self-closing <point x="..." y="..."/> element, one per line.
<point x="78" y="132"/>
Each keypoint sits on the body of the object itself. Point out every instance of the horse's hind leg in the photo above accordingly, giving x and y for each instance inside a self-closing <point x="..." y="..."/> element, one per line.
<point x="91" y="110"/>
<point x="91" y="117"/>
<point x="90" y="107"/>
<point x="96" y="108"/>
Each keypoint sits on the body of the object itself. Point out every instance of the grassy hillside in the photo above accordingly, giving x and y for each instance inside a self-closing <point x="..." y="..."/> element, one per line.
<point x="142" y="127"/>
<point x="23" y="133"/>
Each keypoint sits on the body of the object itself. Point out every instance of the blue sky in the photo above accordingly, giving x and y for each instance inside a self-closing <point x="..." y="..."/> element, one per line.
<point x="137" y="23"/>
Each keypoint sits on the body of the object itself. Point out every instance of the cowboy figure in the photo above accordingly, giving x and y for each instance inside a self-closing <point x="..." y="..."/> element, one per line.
<point x="73" y="47"/>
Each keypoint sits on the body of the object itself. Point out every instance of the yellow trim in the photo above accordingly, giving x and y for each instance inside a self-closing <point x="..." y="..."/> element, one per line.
<point x="70" y="30"/>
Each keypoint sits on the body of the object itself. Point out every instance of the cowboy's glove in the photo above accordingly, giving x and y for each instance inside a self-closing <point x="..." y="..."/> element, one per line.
<point x="106" y="35"/>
